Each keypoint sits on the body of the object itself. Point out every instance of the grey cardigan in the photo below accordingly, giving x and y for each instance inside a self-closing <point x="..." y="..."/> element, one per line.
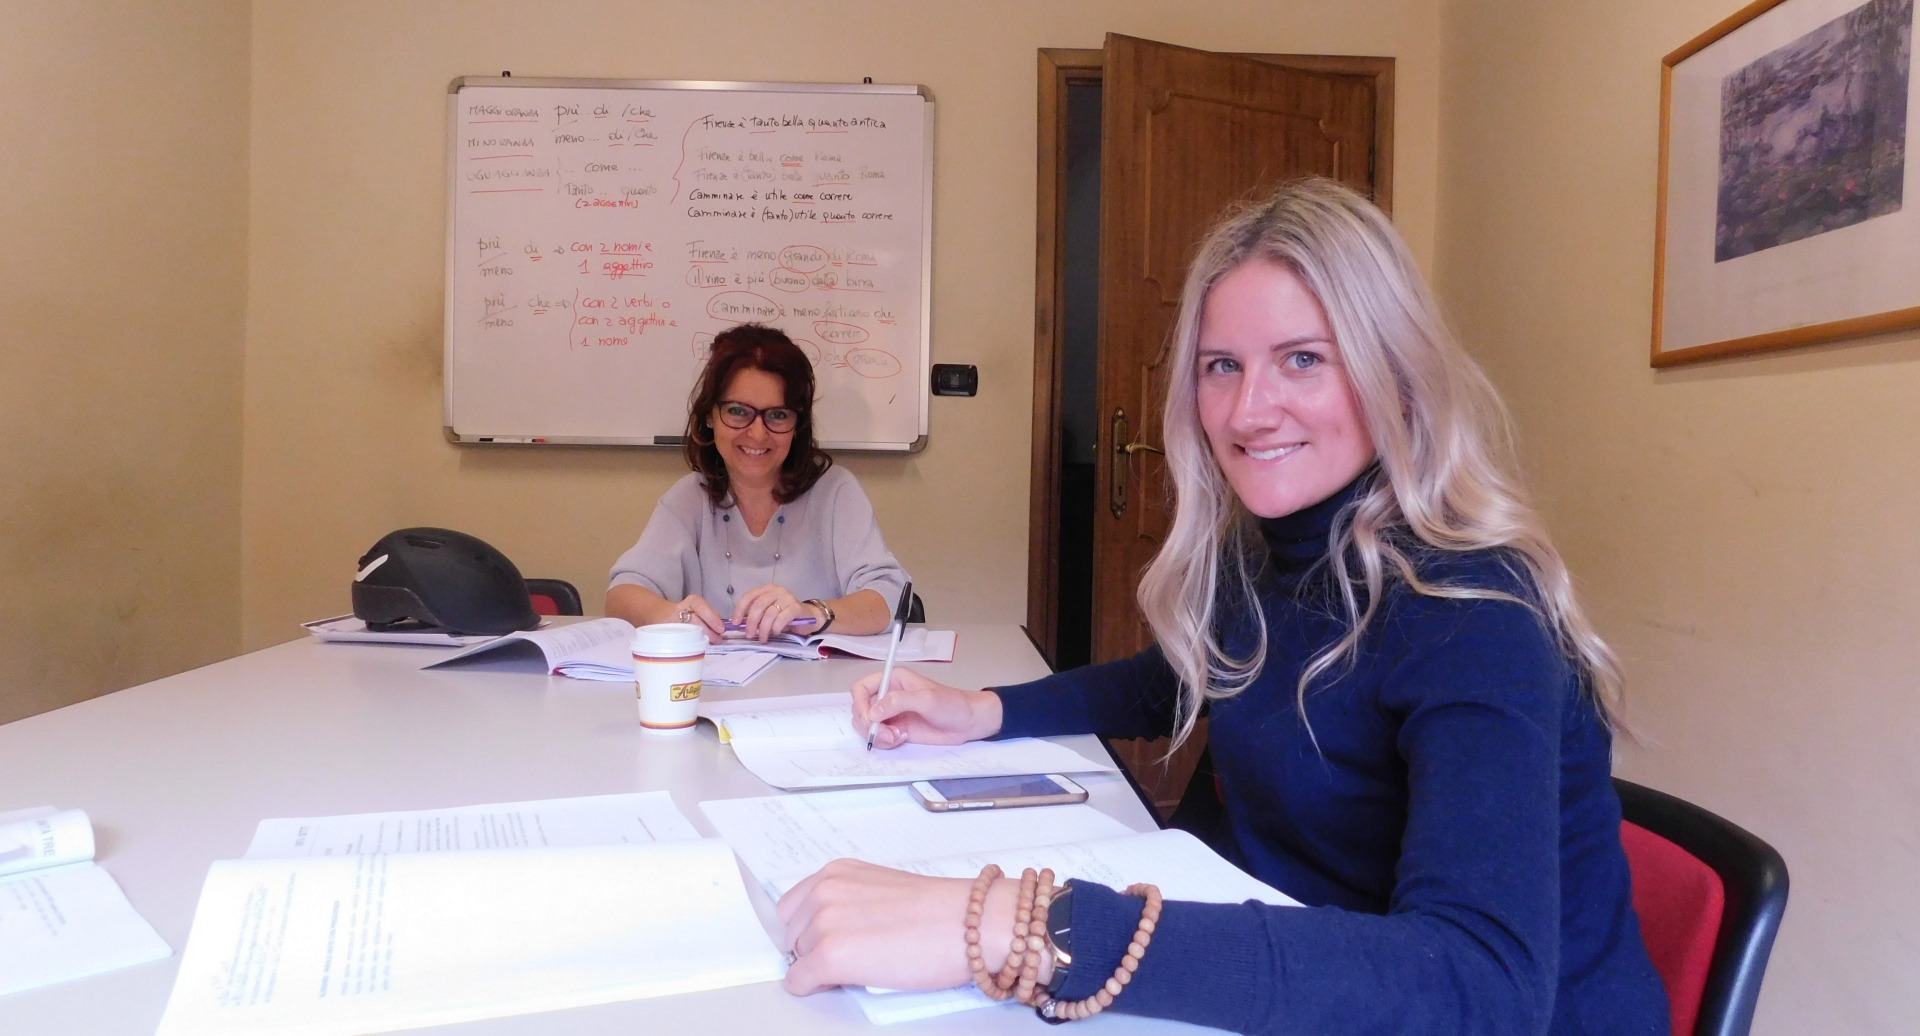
<point x="825" y="544"/>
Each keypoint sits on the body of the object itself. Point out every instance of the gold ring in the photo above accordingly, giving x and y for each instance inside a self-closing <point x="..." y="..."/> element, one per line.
<point x="685" y="615"/>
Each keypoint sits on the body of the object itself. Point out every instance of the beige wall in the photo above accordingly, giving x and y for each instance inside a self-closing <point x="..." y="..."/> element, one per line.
<point x="123" y="202"/>
<point x="1746" y="528"/>
<point x="349" y="180"/>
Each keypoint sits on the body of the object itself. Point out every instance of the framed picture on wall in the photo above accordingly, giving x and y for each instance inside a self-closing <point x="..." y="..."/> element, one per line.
<point x="1789" y="212"/>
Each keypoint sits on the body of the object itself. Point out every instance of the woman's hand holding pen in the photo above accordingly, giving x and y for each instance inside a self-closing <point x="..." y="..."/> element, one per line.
<point x="765" y="611"/>
<point x="919" y="711"/>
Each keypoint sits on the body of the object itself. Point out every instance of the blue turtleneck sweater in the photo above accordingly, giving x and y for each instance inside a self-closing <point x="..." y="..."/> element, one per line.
<point x="1454" y="833"/>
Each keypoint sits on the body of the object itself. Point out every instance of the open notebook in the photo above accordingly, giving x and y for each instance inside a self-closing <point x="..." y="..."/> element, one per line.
<point x="598" y="649"/>
<point x="916" y="645"/>
<point x="784" y="838"/>
<point x="808" y="741"/>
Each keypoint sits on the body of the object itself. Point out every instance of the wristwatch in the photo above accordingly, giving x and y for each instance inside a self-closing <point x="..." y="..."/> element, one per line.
<point x="1060" y="936"/>
<point x="823" y="606"/>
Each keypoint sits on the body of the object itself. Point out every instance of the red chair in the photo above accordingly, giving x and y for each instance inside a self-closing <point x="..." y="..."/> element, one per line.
<point x="1710" y="896"/>
<point x="554" y="597"/>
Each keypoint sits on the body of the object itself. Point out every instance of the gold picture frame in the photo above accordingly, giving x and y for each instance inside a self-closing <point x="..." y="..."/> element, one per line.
<point x="1788" y="211"/>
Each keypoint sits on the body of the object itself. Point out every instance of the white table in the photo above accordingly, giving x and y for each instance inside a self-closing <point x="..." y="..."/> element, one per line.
<point x="175" y="774"/>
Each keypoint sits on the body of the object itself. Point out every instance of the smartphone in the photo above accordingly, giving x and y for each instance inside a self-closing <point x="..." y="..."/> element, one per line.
<point x="1036" y="789"/>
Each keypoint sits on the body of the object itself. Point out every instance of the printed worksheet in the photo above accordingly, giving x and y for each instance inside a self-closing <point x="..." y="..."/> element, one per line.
<point x="381" y="941"/>
<point x="633" y="818"/>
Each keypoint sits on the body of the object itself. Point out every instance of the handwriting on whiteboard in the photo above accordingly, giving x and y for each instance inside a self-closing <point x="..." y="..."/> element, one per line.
<point x="601" y="236"/>
<point x="599" y="156"/>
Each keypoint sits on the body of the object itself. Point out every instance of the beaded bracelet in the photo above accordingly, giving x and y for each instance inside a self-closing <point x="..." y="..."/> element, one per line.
<point x="1057" y="1011"/>
<point x="1019" y="976"/>
<point x="1017" y="949"/>
<point x="976" y="904"/>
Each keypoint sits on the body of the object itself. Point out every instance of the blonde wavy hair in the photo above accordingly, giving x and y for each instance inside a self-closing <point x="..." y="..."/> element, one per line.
<point x="1443" y="438"/>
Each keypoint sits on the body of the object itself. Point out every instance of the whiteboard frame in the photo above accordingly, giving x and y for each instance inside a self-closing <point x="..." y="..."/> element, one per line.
<point x="925" y="393"/>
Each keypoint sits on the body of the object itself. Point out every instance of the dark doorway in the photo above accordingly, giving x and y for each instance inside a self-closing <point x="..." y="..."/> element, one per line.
<point x="1080" y="412"/>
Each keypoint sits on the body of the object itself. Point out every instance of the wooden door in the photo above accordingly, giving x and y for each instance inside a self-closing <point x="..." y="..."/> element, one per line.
<point x="1184" y="132"/>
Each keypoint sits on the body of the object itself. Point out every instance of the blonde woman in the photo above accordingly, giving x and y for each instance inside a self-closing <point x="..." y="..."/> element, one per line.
<point x="1410" y="715"/>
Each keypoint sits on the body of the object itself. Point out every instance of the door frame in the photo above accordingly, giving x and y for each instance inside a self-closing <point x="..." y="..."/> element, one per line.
<point x="1060" y="68"/>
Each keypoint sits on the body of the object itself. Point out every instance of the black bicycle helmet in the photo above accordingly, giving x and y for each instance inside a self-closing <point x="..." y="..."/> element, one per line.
<point x="439" y="578"/>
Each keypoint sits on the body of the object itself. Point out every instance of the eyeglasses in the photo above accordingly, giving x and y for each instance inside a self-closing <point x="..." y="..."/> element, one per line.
<point x="778" y="419"/>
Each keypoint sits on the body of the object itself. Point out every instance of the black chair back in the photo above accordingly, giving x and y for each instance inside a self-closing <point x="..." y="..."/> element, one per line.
<point x="1755" y="879"/>
<point x="564" y="597"/>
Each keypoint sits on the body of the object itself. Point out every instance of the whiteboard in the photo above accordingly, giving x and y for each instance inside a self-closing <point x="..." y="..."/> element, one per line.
<point x="600" y="232"/>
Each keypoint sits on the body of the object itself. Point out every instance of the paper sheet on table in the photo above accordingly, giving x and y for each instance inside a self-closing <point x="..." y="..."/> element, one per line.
<point x="808" y="741"/>
<point x="627" y="819"/>
<point x="735" y="668"/>
<point x="784" y="838"/>
<point x="339" y="945"/>
<point x="62" y="916"/>
<point x="611" y="661"/>
<point x="852" y="764"/>
<point x="352" y="630"/>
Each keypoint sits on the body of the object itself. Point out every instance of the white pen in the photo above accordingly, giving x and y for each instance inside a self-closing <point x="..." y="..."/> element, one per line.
<point x="893" y="647"/>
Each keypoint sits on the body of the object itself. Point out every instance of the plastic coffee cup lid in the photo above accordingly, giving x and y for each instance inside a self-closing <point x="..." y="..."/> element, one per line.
<point x="670" y="640"/>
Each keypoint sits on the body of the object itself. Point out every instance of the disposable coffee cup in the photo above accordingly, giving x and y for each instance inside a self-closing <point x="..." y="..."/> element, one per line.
<point x="667" y="657"/>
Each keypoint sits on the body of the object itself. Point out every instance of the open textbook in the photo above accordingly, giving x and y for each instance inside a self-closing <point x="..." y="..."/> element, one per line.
<point x="61" y="915"/>
<point x="599" y="649"/>
<point x="916" y="645"/>
<point x="376" y="922"/>
<point x="784" y="838"/>
<point x="808" y="741"/>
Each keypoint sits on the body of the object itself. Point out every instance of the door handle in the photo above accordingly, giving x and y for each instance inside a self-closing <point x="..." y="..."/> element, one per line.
<point x="1122" y="462"/>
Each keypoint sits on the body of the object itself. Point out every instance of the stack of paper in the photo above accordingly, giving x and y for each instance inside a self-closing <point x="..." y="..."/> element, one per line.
<point x="808" y="741"/>
<point x="402" y="920"/>
<point x="61" y="915"/>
